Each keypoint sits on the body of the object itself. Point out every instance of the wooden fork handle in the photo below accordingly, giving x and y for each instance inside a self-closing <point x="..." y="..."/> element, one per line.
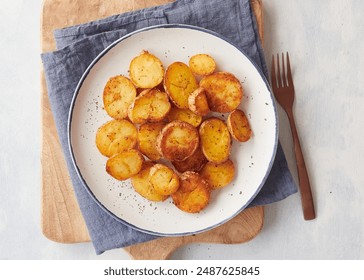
<point x="304" y="182"/>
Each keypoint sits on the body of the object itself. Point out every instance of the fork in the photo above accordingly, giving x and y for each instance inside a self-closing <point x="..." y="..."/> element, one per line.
<point x="283" y="89"/>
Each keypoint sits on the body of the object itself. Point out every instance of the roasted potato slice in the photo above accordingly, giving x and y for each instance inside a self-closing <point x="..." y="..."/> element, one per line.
<point x="239" y="126"/>
<point x="124" y="165"/>
<point x="223" y="90"/>
<point x="147" y="136"/>
<point x="151" y="105"/>
<point x="146" y="70"/>
<point x="116" y="136"/>
<point x="140" y="183"/>
<point x="185" y="115"/>
<point x="179" y="83"/>
<point x="197" y="102"/>
<point x="193" y="195"/>
<point x="215" y="140"/>
<point x="177" y="141"/>
<point x="218" y="175"/>
<point x="193" y="163"/>
<point x="119" y="93"/>
<point x="202" y="64"/>
<point x="163" y="179"/>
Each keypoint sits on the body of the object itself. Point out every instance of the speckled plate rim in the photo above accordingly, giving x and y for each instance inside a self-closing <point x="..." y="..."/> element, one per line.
<point x="70" y="116"/>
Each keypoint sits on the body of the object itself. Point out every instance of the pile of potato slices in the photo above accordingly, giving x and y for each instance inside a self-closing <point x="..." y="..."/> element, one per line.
<point x="163" y="136"/>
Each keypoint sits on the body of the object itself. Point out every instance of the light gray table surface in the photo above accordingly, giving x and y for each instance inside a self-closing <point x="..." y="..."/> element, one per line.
<point x="326" y="46"/>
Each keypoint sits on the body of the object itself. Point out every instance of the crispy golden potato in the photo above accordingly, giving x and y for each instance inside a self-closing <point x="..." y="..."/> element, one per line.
<point x="163" y="179"/>
<point x="218" y="175"/>
<point x="215" y="140"/>
<point x="202" y="64"/>
<point x="147" y="136"/>
<point x="223" y="90"/>
<point x="119" y="93"/>
<point x="177" y="141"/>
<point x="239" y="126"/>
<point x="124" y="165"/>
<point x="193" y="163"/>
<point x="151" y="105"/>
<point x="116" y="136"/>
<point x="140" y="183"/>
<point x="193" y="194"/>
<point x="146" y="70"/>
<point x="170" y="109"/>
<point x="179" y="83"/>
<point x="197" y="102"/>
<point x="185" y="115"/>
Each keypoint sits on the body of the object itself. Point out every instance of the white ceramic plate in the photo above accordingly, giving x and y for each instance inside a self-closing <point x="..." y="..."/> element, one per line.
<point x="253" y="159"/>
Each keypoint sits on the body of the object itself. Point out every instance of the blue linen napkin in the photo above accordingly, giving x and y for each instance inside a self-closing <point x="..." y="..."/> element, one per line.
<point x="77" y="46"/>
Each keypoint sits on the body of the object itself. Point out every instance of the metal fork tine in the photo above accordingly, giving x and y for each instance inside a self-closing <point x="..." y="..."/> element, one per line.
<point x="280" y="84"/>
<point x="273" y="76"/>
<point x="289" y="74"/>
<point x="284" y="80"/>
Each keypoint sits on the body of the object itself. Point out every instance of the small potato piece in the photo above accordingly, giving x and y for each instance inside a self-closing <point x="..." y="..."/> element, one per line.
<point x="193" y="194"/>
<point x="146" y="70"/>
<point x="223" y="90"/>
<point x="147" y="136"/>
<point x="124" y="165"/>
<point x="193" y="163"/>
<point x="179" y="83"/>
<point x="163" y="179"/>
<point x="215" y="140"/>
<point x="151" y="105"/>
<point x="197" y="102"/>
<point x="116" y="136"/>
<point x="140" y="183"/>
<point x="177" y="141"/>
<point x="238" y="126"/>
<point x="119" y="93"/>
<point x="185" y="115"/>
<point x="202" y="64"/>
<point x="218" y="175"/>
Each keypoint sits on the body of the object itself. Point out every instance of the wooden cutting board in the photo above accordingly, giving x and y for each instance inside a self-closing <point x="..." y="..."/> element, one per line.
<point x="61" y="219"/>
